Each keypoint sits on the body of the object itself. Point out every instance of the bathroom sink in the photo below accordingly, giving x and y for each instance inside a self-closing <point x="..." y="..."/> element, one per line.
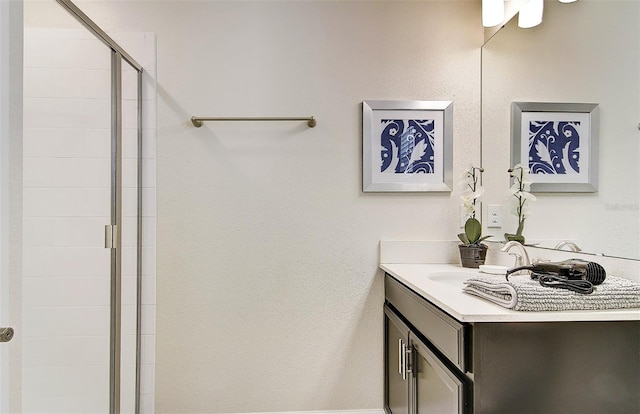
<point x="451" y="277"/>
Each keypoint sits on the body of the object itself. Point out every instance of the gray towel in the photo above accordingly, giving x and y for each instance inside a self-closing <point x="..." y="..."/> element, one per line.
<point x="522" y="293"/>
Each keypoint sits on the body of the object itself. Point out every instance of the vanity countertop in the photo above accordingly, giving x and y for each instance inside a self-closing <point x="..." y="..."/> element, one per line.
<point x="467" y="308"/>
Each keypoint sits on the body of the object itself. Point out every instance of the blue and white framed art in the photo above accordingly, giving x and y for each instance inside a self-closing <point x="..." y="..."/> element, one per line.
<point x="407" y="146"/>
<point x="559" y="144"/>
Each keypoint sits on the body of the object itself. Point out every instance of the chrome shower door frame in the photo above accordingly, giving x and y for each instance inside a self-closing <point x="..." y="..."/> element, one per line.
<point x="118" y="54"/>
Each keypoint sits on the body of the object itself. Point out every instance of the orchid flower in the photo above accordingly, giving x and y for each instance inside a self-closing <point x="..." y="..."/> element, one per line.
<point x="472" y="190"/>
<point x="520" y="190"/>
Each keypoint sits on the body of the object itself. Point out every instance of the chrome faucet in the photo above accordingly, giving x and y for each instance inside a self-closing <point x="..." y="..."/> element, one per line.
<point x="522" y="257"/>
<point x="571" y="245"/>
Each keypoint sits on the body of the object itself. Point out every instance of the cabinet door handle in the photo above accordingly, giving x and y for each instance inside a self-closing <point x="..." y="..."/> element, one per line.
<point x="404" y="362"/>
<point x="400" y="356"/>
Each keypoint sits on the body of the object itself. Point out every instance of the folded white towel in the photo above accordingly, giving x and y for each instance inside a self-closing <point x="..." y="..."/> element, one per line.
<point x="524" y="294"/>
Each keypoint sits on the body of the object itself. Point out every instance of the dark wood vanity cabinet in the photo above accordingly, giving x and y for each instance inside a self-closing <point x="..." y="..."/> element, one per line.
<point x="417" y="380"/>
<point x="436" y="364"/>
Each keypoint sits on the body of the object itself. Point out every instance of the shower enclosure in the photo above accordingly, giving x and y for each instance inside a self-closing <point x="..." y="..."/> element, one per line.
<point x="83" y="219"/>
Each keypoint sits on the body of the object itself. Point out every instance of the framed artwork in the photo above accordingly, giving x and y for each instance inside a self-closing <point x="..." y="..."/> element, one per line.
<point x="407" y="146"/>
<point x="559" y="144"/>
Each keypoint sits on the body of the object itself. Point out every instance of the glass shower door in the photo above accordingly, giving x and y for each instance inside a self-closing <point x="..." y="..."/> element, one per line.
<point x="67" y="180"/>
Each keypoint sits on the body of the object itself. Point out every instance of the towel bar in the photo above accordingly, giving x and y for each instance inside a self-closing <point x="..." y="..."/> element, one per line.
<point x="197" y="121"/>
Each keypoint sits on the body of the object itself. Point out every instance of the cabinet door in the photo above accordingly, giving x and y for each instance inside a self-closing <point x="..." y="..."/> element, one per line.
<point x="436" y="389"/>
<point x="397" y="378"/>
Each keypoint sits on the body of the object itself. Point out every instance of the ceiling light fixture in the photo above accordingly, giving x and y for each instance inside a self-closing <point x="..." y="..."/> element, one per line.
<point x="567" y="1"/>
<point x="492" y="12"/>
<point x="530" y="14"/>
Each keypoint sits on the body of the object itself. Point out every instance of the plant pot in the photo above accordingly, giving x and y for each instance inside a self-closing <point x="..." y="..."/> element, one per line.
<point x="472" y="255"/>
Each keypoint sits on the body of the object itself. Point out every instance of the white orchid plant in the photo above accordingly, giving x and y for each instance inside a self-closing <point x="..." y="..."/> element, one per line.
<point x="520" y="191"/>
<point x="470" y="196"/>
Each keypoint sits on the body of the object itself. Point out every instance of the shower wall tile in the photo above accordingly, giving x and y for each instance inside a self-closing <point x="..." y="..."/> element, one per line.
<point x="148" y="349"/>
<point x="128" y="343"/>
<point x="148" y="372"/>
<point x="64" y="231"/>
<point x="148" y="319"/>
<point x="149" y="202"/>
<point x="129" y="294"/>
<point x="149" y="120"/>
<point x="66" y="142"/>
<point x="93" y="55"/>
<point x="129" y="172"/>
<point x="129" y="261"/>
<point x="66" y="261"/>
<point x="148" y="261"/>
<point x="148" y="172"/>
<point x="37" y="83"/>
<point x="130" y="114"/>
<point x="128" y="319"/>
<point x="65" y="351"/>
<point x="149" y="86"/>
<point x="130" y="143"/>
<point x="149" y="144"/>
<point x="69" y="83"/>
<point x="127" y="402"/>
<point x="96" y="84"/>
<point x="129" y="235"/>
<point x="66" y="291"/>
<point x="67" y="172"/>
<point x="65" y="381"/>
<point x="82" y="113"/>
<point x="130" y="86"/>
<point x="149" y="295"/>
<point x="70" y="321"/>
<point x="38" y="49"/>
<point x="147" y="403"/>
<point x="38" y="113"/>
<point x="65" y="405"/>
<point x="66" y="202"/>
<point x="43" y="82"/>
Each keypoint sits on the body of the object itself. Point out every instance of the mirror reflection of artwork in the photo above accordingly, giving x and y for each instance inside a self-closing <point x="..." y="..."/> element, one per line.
<point x="408" y="146"/>
<point x="554" y="147"/>
<point x="558" y="142"/>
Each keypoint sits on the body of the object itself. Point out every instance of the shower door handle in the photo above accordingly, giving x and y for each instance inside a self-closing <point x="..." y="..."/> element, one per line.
<point x="6" y="334"/>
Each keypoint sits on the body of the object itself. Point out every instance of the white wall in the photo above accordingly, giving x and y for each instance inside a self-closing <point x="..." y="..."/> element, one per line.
<point x="269" y="296"/>
<point x="588" y="51"/>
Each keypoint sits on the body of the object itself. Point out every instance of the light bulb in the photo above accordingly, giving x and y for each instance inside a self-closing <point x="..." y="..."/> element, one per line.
<point x="492" y="12"/>
<point x="530" y="14"/>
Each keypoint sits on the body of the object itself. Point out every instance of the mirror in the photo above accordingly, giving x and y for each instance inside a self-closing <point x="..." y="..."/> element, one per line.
<point x="583" y="52"/>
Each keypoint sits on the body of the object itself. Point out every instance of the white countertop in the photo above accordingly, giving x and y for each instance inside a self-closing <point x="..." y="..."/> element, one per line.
<point x="467" y="308"/>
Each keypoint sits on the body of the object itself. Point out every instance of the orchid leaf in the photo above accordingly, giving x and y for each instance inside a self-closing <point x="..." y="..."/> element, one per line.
<point x="473" y="230"/>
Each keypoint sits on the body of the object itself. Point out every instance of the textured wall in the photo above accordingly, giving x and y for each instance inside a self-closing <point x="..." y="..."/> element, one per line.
<point x="268" y="292"/>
